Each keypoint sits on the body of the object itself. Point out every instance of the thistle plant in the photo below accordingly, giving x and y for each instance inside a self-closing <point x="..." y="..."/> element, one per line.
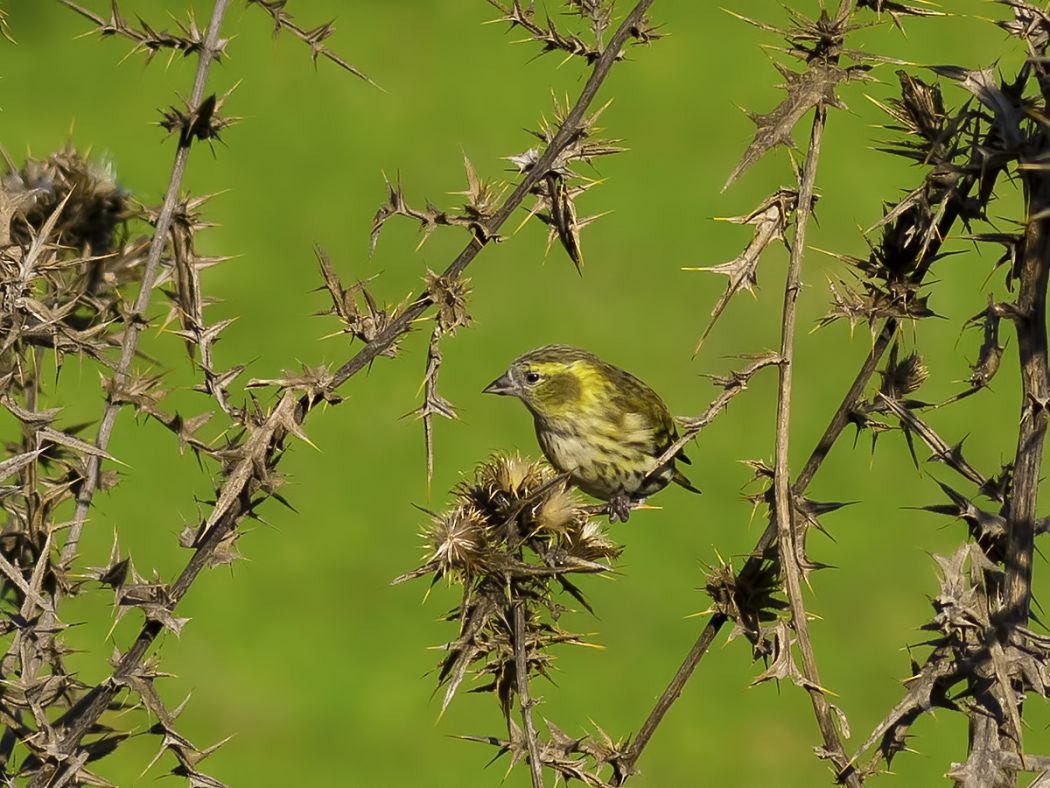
<point x="514" y="536"/>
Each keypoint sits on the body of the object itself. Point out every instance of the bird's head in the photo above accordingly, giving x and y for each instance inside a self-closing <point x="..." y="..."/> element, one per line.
<point x="552" y="381"/>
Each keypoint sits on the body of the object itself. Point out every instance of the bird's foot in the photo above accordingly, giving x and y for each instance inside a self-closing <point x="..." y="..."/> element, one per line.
<point x="619" y="507"/>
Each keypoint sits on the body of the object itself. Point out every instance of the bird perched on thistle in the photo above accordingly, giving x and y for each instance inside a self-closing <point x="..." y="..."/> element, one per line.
<point x="602" y="426"/>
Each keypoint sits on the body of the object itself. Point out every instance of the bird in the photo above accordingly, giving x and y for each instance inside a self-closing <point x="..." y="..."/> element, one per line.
<point x="601" y="426"/>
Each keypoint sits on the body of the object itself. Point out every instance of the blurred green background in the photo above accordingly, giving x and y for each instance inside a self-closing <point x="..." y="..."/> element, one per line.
<point x="304" y="653"/>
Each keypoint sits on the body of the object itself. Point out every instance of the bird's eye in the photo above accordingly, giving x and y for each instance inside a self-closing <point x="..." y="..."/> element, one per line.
<point x="532" y="377"/>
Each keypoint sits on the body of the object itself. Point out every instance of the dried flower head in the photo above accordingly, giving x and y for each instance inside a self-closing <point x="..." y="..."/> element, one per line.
<point x="903" y="377"/>
<point x="559" y="512"/>
<point x="504" y="481"/>
<point x="512" y="539"/>
<point x="449" y="295"/>
<point x="587" y="540"/>
<point x="93" y="203"/>
<point x="456" y="540"/>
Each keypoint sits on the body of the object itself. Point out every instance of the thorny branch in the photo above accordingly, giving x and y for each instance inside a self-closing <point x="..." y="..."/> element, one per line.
<point x="996" y="732"/>
<point x="769" y="220"/>
<point x="535" y="173"/>
<point x="315" y="38"/>
<point x="732" y="384"/>
<point x="1030" y="323"/>
<point x="597" y="14"/>
<point x="189" y="40"/>
<point x="521" y="672"/>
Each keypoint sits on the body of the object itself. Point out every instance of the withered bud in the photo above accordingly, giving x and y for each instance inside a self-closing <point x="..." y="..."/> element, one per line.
<point x="921" y="108"/>
<point x="588" y="540"/>
<point x="449" y="295"/>
<point x="902" y="378"/>
<point x="94" y="202"/>
<point x="511" y="475"/>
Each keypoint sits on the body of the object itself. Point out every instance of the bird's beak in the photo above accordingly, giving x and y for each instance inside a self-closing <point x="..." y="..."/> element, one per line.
<point x="502" y="385"/>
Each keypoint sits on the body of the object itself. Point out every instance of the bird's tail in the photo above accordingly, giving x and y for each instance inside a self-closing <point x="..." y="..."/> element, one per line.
<point x="680" y="479"/>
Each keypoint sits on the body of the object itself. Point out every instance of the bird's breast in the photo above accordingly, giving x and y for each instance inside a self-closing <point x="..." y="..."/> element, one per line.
<point x="566" y="449"/>
<point x="600" y="460"/>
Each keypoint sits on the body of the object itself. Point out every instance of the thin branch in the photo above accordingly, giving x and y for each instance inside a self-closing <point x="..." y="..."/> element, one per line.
<point x="732" y="384"/>
<point x="187" y="41"/>
<point x="667" y="698"/>
<point x="521" y="670"/>
<point x="790" y="560"/>
<point x="315" y="38"/>
<point x="942" y="451"/>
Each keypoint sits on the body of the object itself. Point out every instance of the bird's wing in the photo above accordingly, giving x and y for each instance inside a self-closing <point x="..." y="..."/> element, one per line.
<point x="644" y="411"/>
<point x="665" y="433"/>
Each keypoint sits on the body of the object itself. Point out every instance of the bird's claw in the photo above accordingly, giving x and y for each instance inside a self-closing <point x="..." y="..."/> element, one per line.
<point x="619" y="508"/>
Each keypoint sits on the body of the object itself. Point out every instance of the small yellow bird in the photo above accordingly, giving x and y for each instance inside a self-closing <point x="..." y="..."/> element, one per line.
<point x="600" y="425"/>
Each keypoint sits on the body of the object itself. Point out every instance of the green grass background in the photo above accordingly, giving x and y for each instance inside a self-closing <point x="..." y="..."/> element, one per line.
<point x="304" y="653"/>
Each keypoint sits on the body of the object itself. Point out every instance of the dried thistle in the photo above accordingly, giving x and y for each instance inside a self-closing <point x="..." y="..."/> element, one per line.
<point x="457" y="542"/>
<point x="512" y="537"/>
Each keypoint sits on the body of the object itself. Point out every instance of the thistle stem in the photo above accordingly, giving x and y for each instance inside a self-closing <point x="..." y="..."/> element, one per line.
<point x="521" y="670"/>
